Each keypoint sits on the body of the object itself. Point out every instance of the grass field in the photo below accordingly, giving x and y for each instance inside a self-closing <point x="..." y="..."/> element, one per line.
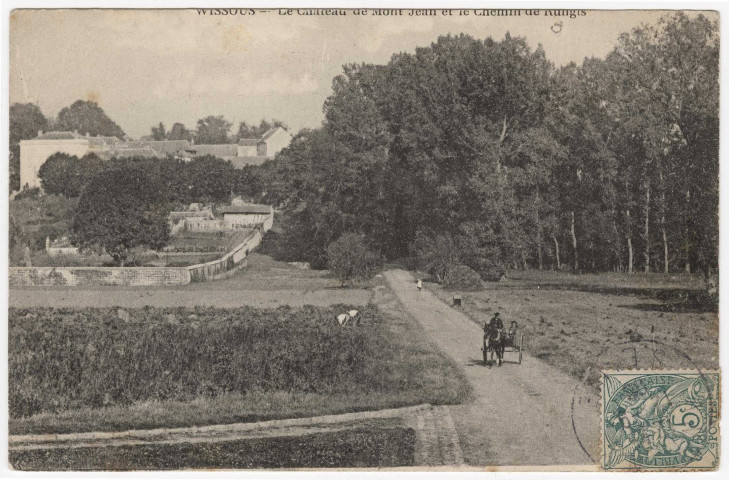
<point x="264" y="283"/>
<point x="367" y="446"/>
<point x="584" y="323"/>
<point x="86" y="369"/>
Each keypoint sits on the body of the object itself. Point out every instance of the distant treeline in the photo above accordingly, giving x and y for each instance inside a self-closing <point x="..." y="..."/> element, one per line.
<point x="485" y="154"/>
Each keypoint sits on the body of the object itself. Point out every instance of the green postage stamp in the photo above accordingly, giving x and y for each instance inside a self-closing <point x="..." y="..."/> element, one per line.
<point x="660" y="420"/>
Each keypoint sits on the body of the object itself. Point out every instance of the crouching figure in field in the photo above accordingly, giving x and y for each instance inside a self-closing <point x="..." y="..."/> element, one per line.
<point x="344" y="318"/>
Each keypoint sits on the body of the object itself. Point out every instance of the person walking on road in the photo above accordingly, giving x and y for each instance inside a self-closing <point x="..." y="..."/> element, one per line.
<point x="420" y="284"/>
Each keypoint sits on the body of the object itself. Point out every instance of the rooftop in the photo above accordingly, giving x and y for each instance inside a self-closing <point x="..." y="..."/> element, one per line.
<point x="245" y="208"/>
<point x="59" y="136"/>
<point x="133" y="152"/>
<point x="220" y="150"/>
<point x="164" y="147"/>
<point x="249" y="142"/>
<point x="270" y="132"/>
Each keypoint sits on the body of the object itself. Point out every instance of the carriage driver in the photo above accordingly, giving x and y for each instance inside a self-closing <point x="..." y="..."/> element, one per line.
<point x="493" y="324"/>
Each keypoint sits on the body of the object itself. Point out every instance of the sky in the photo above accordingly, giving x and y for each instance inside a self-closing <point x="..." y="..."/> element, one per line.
<point x="147" y="66"/>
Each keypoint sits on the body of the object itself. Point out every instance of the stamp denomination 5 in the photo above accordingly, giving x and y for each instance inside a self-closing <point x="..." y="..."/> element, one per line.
<point x="660" y="420"/>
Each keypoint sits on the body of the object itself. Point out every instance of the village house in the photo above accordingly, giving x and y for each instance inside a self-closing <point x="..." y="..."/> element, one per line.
<point x="248" y="151"/>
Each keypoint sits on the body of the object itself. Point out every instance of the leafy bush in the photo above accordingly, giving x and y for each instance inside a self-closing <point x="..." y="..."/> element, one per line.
<point x="349" y="258"/>
<point x="32" y="219"/>
<point x="28" y="193"/>
<point x="492" y="272"/>
<point x="462" y="277"/>
<point x="51" y="230"/>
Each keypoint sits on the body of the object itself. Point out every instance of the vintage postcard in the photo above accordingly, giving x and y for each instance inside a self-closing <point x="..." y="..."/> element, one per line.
<point x="365" y="239"/>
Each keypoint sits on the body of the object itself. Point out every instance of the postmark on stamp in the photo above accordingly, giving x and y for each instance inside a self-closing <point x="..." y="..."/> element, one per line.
<point x="660" y="420"/>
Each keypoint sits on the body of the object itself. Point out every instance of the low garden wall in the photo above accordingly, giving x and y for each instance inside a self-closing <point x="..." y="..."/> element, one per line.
<point x="229" y="262"/>
<point x="80" y="276"/>
<point x="140" y="276"/>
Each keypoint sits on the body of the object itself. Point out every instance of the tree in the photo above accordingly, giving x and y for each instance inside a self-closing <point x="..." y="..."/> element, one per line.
<point x="209" y="179"/>
<point x="667" y="104"/>
<point x="67" y="175"/>
<point x="122" y="207"/>
<point x="179" y="132"/>
<point x="87" y="117"/>
<point x="212" y="130"/>
<point x="607" y="165"/>
<point x="26" y="120"/>
<point x="350" y="259"/>
<point x="437" y="254"/>
<point x="327" y="190"/>
<point x="253" y="131"/>
<point x="159" y="132"/>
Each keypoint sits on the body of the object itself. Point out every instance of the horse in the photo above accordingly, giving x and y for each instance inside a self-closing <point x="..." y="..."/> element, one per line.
<point x="495" y="342"/>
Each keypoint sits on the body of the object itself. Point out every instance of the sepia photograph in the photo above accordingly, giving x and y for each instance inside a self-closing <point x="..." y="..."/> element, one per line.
<point x="362" y="239"/>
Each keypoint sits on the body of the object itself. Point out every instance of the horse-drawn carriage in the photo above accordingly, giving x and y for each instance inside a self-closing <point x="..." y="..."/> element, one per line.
<point x="497" y="341"/>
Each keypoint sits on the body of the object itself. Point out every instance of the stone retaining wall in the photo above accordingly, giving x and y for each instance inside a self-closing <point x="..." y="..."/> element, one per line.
<point x="140" y="276"/>
<point x="230" y="261"/>
<point x="80" y="276"/>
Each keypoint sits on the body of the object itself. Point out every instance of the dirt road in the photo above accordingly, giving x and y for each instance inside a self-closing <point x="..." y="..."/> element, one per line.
<point x="528" y="414"/>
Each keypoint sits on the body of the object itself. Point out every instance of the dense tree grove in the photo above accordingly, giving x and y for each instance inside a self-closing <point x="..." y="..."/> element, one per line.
<point x="488" y="150"/>
<point x="67" y="175"/>
<point x="205" y="179"/>
<point x="121" y="208"/>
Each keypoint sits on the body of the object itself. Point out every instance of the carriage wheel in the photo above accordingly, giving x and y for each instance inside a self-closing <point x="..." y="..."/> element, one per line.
<point x="521" y="346"/>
